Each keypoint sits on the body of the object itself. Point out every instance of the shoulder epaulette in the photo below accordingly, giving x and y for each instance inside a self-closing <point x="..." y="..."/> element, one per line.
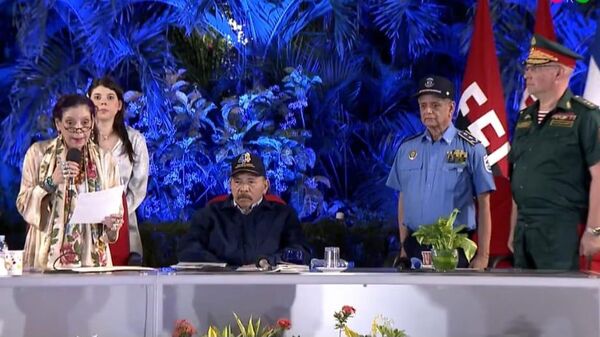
<point x="585" y="102"/>
<point x="468" y="137"/>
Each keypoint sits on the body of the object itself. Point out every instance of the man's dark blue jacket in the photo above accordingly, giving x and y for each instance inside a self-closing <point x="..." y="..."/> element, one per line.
<point x="221" y="233"/>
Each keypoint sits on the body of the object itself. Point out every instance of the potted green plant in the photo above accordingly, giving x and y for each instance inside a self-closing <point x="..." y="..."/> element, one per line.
<point x="444" y="239"/>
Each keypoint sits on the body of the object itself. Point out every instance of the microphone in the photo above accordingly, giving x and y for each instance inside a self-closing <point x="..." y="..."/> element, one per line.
<point x="73" y="155"/>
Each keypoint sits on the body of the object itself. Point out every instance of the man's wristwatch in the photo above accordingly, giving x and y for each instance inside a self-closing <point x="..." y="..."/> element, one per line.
<point x="595" y="231"/>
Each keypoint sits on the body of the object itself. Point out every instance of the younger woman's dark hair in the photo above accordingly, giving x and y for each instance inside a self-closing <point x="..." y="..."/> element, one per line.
<point x="119" y="122"/>
<point x="70" y="101"/>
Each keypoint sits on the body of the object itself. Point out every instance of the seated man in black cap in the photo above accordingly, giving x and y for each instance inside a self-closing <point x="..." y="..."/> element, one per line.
<point x="246" y="228"/>
<point x="555" y="159"/>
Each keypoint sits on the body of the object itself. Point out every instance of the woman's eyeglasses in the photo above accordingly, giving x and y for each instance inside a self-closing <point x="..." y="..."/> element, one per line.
<point x="85" y="127"/>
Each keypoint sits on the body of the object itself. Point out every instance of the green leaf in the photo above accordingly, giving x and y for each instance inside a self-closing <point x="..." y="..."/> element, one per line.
<point x="443" y="235"/>
<point x="240" y="325"/>
<point x="349" y="332"/>
<point x="213" y="332"/>
<point x="250" y="329"/>
<point x="452" y="217"/>
<point x="467" y="245"/>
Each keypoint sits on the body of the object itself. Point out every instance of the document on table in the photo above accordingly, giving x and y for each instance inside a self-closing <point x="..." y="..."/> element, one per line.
<point x="291" y="268"/>
<point x="109" y="269"/>
<point x="249" y="268"/>
<point x="93" y="207"/>
<point x="280" y="268"/>
<point x="199" y="266"/>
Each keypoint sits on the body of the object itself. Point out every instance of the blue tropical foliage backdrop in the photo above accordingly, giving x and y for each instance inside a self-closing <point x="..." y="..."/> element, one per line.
<point x="321" y="88"/>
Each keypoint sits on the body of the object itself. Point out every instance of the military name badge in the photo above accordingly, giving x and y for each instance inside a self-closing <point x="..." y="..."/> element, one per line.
<point x="412" y="154"/>
<point x="563" y="119"/>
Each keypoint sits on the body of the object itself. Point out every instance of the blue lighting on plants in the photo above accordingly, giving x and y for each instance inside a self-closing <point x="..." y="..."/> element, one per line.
<point x="322" y="89"/>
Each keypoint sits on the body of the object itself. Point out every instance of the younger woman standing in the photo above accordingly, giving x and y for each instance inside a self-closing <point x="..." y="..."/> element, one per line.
<point x="128" y="147"/>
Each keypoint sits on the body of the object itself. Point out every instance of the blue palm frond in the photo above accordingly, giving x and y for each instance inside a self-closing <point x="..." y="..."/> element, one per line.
<point x="575" y="31"/>
<point x="31" y="33"/>
<point x="345" y="25"/>
<point x="38" y="82"/>
<point x="409" y="24"/>
<point x="297" y="54"/>
<point x="268" y="19"/>
<point x="528" y="5"/>
<point x="189" y="14"/>
<point x="149" y="40"/>
<point x="91" y="26"/>
<point x="217" y="22"/>
<point x="454" y="42"/>
<point x="268" y="24"/>
<point x="335" y="70"/>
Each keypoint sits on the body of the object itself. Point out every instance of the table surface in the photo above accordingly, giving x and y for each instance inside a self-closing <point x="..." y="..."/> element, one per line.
<point x="552" y="304"/>
<point x="503" y="278"/>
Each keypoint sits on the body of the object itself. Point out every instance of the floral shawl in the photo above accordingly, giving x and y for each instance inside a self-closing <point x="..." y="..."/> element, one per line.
<point x="51" y="240"/>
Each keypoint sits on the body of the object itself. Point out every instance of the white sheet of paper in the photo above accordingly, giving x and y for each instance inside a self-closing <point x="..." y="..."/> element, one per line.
<point x="109" y="269"/>
<point x="248" y="267"/>
<point x="93" y="207"/>
<point x="197" y="265"/>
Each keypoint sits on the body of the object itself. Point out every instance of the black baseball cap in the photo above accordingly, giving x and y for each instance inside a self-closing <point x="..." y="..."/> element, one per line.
<point x="437" y="85"/>
<point x="248" y="163"/>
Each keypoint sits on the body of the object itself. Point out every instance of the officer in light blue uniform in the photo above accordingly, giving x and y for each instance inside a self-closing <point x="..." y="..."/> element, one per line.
<point x="440" y="170"/>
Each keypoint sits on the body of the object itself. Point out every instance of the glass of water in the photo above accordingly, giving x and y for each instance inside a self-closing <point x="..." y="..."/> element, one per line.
<point x="332" y="257"/>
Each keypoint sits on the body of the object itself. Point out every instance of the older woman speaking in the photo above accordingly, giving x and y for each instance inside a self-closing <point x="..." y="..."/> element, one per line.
<point x="54" y="172"/>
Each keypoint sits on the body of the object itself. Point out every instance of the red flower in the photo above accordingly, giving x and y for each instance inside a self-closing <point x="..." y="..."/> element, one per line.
<point x="342" y="316"/>
<point x="348" y="310"/>
<point x="284" y="324"/>
<point x="183" y="328"/>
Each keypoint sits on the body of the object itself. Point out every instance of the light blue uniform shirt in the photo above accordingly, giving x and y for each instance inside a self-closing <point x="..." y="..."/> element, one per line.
<point x="434" y="182"/>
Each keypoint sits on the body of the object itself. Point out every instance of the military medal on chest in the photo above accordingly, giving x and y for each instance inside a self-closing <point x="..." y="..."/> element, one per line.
<point x="563" y="119"/>
<point x="456" y="156"/>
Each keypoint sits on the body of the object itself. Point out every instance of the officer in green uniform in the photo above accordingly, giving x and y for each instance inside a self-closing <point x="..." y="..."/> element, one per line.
<point x="555" y="159"/>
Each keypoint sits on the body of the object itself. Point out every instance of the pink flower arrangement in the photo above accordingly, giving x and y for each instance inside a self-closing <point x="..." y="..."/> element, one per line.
<point x="284" y="324"/>
<point x="381" y="326"/>
<point x="348" y="310"/>
<point x="183" y="328"/>
<point x="341" y="317"/>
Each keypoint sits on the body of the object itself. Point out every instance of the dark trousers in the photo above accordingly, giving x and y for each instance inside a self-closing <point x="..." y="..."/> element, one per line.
<point x="414" y="249"/>
<point x="546" y="244"/>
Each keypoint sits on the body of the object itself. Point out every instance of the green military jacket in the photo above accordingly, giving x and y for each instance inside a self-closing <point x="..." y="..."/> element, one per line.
<point x="550" y="161"/>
